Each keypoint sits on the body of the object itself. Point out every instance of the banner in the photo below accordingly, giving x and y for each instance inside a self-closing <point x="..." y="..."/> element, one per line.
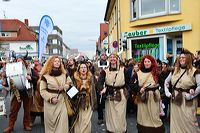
<point x="46" y="27"/>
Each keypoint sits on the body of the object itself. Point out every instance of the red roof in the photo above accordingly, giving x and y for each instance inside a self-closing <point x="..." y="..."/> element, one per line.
<point x="24" y="33"/>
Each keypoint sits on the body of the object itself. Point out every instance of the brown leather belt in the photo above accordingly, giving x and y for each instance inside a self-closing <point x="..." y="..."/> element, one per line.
<point x="152" y="89"/>
<point x="53" y="91"/>
<point x="182" y="90"/>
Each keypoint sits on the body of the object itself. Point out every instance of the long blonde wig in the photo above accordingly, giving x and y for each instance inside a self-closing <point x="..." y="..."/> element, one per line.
<point x="48" y="66"/>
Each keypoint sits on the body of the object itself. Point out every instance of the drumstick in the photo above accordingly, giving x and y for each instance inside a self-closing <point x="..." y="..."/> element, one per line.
<point x="100" y="99"/>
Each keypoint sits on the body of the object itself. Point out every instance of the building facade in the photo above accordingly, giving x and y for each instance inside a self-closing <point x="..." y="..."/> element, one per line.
<point x="20" y="37"/>
<point x="157" y="27"/>
<point x="17" y="36"/>
<point x="55" y="42"/>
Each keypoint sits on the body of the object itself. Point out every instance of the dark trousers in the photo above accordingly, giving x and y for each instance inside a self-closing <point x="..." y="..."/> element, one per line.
<point x="166" y="103"/>
<point x="35" y="114"/>
<point x="100" y="106"/>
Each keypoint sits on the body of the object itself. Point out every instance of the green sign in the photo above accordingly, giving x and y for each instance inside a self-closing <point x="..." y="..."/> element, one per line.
<point x="28" y="47"/>
<point x="146" y="45"/>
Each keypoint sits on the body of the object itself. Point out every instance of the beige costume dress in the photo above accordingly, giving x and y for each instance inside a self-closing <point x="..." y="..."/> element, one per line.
<point x="148" y="116"/>
<point x="183" y="117"/>
<point x="85" y="102"/>
<point x="55" y="116"/>
<point x="115" y="104"/>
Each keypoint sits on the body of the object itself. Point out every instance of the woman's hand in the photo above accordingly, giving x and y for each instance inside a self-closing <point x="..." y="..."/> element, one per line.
<point x="188" y="96"/>
<point x="142" y="90"/>
<point x="69" y="83"/>
<point x="54" y="100"/>
<point x="192" y="91"/>
<point x="61" y="88"/>
<point x="167" y="85"/>
<point x="28" y="77"/>
<point x="103" y="91"/>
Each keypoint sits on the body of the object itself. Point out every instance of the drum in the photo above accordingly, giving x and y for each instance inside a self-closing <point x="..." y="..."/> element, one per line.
<point x="17" y="72"/>
<point x="2" y="106"/>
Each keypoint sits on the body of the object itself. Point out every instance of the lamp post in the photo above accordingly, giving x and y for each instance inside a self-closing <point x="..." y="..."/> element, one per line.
<point x="96" y="45"/>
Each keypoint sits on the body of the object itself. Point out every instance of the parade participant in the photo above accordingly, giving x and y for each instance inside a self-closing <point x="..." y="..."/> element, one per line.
<point x="54" y="82"/>
<point x="71" y="66"/>
<point x="165" y="70"/>
<point x="114" y="78"/>
<point x="197" y="61"/>
<point x="101" y="64"/>
<point x="133" y="87"/>
<point x="18" y="97"/>
<point x="85" y="99"/>
<point x="36" y="101"/>
<point x="103" y="61"/>
<point x="185" y="81"/>
<point x="148" y="119"/>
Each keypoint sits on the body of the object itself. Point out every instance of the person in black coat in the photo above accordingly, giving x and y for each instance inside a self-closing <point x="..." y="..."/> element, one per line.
<point x="165" y="71"/>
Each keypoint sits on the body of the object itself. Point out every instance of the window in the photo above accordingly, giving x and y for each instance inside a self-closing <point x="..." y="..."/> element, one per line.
<point x="174" y="6"/>
<point x="151" y="8"/>
<point x="134" y="8"/>
<point x="55" y="51"/>
<point x="50" y="41"/>
<point x="54" y="41"/>
<point x="5" y="34"/>
<point x="115" y="15"/>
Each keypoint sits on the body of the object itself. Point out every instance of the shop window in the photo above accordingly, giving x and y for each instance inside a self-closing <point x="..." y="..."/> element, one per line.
<point x="179" y="46"/>
<point x="142" y="47"/>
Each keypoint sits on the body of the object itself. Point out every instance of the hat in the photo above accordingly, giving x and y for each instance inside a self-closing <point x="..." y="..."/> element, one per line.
<point x="16" y="56"/>
<point x="186" y="51"/>
<point x="165" y="61"/>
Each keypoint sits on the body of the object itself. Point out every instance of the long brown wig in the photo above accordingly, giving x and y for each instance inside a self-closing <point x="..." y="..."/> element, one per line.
<point x="189" y="61"/>
<point x="78" y="80"/>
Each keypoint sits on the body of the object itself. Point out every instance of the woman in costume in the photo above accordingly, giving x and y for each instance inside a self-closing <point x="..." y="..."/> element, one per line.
<point x="148" y="114"/>
<point x="36" y="101"/>
<point x="54" y="82"/>
<point x="185" y="81"/>
<point x="85" y="99"/>
<point x="114" y="79"/>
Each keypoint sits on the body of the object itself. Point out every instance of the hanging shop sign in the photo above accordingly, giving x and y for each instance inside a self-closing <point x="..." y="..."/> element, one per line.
<point x="158" y="30"/>
<point x="146" y="45"/>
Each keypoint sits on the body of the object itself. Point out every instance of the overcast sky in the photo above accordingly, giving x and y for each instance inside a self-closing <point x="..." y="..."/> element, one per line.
<point x="78" y="19"/>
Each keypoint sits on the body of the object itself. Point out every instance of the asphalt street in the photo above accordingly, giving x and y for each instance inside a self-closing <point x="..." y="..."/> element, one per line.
<point x="39" y="128"/>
